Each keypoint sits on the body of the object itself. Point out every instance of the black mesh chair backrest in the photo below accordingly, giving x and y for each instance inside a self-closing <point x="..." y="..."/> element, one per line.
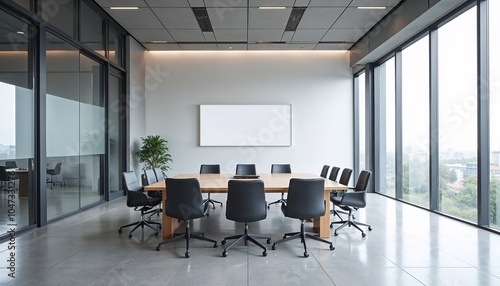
<point x="10" y="164"/>
<point x="281" y="168"/>
<point x="246" y="201"/>
<point x="159" y="174"/>
<point x="362" y="183"/>
<point x="324" y="171"/>
<point x="135" y="196"/>
<point x="210" y="169"/>
<point x="345" y="176"/>
<point x="56" y="170"/>
<point x="185" y="201"/>
<point x="150" y="176"/>
<point x="334" y="173"/>
<point x="3" y="174"/>
<point x="246" y="169"/>
<point x="305" y="198"/>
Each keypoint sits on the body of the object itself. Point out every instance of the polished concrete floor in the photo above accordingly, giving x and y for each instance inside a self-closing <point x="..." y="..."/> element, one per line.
<point x="408" y="246"/>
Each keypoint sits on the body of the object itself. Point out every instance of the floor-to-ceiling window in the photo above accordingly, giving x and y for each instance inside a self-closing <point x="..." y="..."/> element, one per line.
<point x="359" y="81"/>
<point x="457" y="116"/>
<point x="387" y="116"/>
<point x="115" y="125"/>
<point x="415" y="121"/>
<point x="17" y="123"/>
<point x="494" y="88"/>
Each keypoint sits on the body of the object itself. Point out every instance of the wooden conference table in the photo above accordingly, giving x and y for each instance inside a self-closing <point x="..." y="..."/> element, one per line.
<point x="273" y="183"/>
<point x="23" y="180"/>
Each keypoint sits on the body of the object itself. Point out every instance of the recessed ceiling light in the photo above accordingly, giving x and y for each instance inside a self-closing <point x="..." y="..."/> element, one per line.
<point x="157" y="42"/>
<point x="372" y="7"/>
<point x="124" y="8"/>
<point x="272" y="8"/>
<point x="20" y="32"/>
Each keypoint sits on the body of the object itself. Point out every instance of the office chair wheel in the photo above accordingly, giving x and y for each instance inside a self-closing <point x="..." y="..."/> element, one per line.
<point x="284" y="236"/>
<point x="187" y="254"/>
<point x="224" y="253"/>
<point x="223" y="242"/>
<point x="274" y="246"/>
<point x="335" y="233"/>
<point x="370" y="228"/>
<point x="156" y="234"/>
<point x="306" y="255"/>
<point x="331" y="247"/>
<point x="264" y="253"/>
<point x="215" y="245"/>
<point x="120" y="230"/>
<point x="363" y="234"/>
<point x="268" y="241"/>
<point x="158" y="248"/>
<point x="159" y="226"/>
<point x="129" y="235"/>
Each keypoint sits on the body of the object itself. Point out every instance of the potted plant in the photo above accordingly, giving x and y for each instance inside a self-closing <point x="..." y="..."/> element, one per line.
<point x="154" y="153"/>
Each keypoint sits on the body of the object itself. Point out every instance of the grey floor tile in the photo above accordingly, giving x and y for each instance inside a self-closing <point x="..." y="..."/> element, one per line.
<point x="453" y="276"/>
<point x="288" y="276"/>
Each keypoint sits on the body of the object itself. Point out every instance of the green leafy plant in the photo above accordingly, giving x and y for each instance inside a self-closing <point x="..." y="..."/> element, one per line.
<point x="154" y="153"/>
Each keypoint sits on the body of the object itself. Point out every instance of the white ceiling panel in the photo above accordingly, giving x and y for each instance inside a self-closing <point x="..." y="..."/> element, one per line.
<point x="230" y="35"/>
<point x="315" y="17"/>
<point x="232" y="47"/>
<point x="268" y="35"/>
<point x="187" y="35"/>
<point x="325" y="24"/>
<point x="143" y="18"/>
<point x="162" y="47"/>
<point x="332" y="47"/>
<point x="177" y="18"/>
<point x="234" y="18"/>
<point x="268" y="19"/>
<point x="309" y="35"/>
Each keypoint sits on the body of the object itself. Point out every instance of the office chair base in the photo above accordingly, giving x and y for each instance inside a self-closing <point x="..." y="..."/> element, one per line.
<point x="187" y="236"/>
<point x="302" y="235"/>
<point x="213" y="202"/>
<point x="141" y="224"/>
<point x="282" y="201"/>
<point x="350" y="222"/>
<point x="246" y="237"/>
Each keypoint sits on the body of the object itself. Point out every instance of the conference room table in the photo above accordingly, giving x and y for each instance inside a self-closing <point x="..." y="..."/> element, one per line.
<point x="23" y="180"/>
<point x="273" y="183"/>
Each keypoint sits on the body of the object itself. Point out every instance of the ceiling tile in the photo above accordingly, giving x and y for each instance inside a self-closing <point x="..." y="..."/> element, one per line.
<point x="232" y="47"/>
<point x="263" y="47"/>
<point x="334" y="47"/>
<point x="309" y="35"/>
<point x="225" y="4"/>
<point x="267" y="3"/>
<point x="358" y="19"/>
<point x="267" y="35"/>
<point x="199" y="47"/>
<point x="268" y="19"/>
<point x="169" y="3"/>
<point x="142" y="18"/>
<point x="343" y="35"/>
<point x="187" y="35"/>
<point x="319" y="17"/>
<point x="177" y="18"/>
<point x="230" y="35"/>
<point x="126" y="3"/>
<point x="209" y="36"/>
<point x="151" y="35"/>
<point x="196" y="3"/>
<point x="387" y="3"/>
<point x="297" y="46"/>
<point x="287" y="36"/>
<point x="162" y="47"/>
<point x="330" y="3"/>
<point x="301" y="3"/>
<point x="234" y="18"/>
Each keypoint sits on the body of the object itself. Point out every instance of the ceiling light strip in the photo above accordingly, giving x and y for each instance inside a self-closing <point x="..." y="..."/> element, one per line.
<point x="372" y="8"/>
<point x="124" y="8"/>
<point x="272" y="8"/>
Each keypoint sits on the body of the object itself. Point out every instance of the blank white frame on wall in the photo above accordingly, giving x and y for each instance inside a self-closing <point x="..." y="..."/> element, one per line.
<point x="246" y="125"/>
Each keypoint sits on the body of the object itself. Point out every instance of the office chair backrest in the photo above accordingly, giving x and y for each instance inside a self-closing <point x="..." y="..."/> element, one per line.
<point x="159" y="174"/>
<point x="135" y="197"/>
<point x="130" y="182"/>
<point x="324" y="171"/>
<point x="345" y="177"/>
<point x="246" y="201"/>
<point x="3" y="174"/>
<point x="150" y="176"/>
<point x="281" y="168"/>
<point x="306" y="198"/>
<point x="185" y="201"/>
<point x="210" y="169"/>
<point x="362" y="183"/>
<point x="334" y="173"/>
<point x="10" y="164"/>
<point x="246" y="169"/>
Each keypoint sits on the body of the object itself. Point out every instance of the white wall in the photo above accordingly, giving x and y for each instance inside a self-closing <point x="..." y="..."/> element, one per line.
<point x="318" y="85"/>
<point x="135" y="108"/>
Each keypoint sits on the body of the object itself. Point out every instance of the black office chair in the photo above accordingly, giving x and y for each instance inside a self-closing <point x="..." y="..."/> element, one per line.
<point x="280" y="168"/>
<point x="345" y="177"/>
<point x="185" y="203"/>
<point x="352" y="201"/>
<point x="5" y="179"/>
<point x="150" y="178"/>
<point x="54" y="172"/>
<point x="246" y="169"/>
<point x="324" y="171"/>
<point x="159" y="174"/>
<point x="12" y="165"/>
<point x="139" y="201"/>
<point x="305" y="201"/>
<point x="210" y="169"/>
<point x="246" y="202"/>
<point x="334" y="173"/>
